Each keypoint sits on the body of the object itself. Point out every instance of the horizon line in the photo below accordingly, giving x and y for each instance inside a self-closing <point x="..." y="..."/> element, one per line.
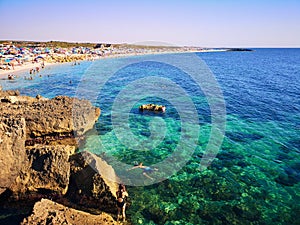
<point x="145" y="44"/>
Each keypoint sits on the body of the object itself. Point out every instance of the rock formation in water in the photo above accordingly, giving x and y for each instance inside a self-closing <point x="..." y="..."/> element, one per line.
<point x="49" y="212"/>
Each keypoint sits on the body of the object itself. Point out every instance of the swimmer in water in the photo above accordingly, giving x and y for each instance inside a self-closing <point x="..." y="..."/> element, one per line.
<point x="146" y="170"/>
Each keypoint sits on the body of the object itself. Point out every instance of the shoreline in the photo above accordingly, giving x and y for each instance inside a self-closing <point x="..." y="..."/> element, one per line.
<point x="20" y="69"/>
<point x="28" y="66"/>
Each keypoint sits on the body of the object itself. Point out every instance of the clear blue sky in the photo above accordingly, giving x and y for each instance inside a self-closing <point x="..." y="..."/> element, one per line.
<point x="209" y="23"/>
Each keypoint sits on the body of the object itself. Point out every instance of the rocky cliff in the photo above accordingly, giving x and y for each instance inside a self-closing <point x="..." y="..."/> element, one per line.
<point x="12" y="150"/>
<point x="49" y="119"/>
<point x="26" y="121"/>
<point x="92" y="182"/>
<point x="38" y="138"/>
<point x="48" y="170"/>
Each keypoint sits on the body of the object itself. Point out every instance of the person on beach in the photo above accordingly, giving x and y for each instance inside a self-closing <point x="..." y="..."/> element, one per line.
<point x="10" y="77"/>
<point x="146" y="170"/>
<point x="121" y="203"/>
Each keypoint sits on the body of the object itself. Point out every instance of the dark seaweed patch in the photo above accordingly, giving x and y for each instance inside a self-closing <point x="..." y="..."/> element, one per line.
<point x="284" y="148"/>
<point x="243" y="137"/>
<point x="283" y="157"/>
<point x="295" y="143"/>
<point x="291" y="175"/>
<point x="242" y="164"/>
<point x="229" y="156"/>
<point x="228" y="159"/>
<point x="292" y="144"/>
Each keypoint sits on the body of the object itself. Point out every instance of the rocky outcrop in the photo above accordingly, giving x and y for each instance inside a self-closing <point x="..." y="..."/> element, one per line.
<point x="8" y="93"/>
<point x="12" y="150"/>
<point x="38" y="138"/>
<point x="48" y="170"/>
<point x="49" y="212"/>
<point x="33" y="120"/>
<point x="50" y="119"/>
<point x="92" y="182"/>
<point x="13" y="96"/>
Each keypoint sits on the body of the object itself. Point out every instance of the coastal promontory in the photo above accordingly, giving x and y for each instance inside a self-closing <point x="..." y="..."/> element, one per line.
<point x="38" y="142"/>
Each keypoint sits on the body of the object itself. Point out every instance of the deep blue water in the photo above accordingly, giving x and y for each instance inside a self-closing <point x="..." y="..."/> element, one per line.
<point x="255" y="177"/>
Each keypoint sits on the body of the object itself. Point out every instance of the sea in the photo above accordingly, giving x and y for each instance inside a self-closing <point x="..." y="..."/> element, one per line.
<point x="227" y="149"/>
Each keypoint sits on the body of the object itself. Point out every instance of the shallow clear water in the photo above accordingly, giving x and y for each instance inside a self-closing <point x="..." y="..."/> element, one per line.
<point x="255" y="177"/>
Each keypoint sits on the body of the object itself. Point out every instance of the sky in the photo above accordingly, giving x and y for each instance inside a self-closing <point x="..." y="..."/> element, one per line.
<point x="203" y="23"/>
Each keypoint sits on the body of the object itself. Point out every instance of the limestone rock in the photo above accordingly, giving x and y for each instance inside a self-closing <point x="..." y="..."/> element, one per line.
<point x="31" y="120"/>
<point x="13" y="96"/>
<point x="49" y="212"/>
<point x="9" y="93"/>
<point x="48" y="170"/>
<point x="55" y="118"/>
<point x="32" y="171"/>
<point x="12" y="150"/>
<point x="93" y="182"/>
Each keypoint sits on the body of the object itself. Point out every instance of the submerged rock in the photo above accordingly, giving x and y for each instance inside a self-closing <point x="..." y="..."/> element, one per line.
<point x="49" y="212"/>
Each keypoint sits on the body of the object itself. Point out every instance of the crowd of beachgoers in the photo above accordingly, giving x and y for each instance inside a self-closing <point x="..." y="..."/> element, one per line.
<point x="14" y="59"/>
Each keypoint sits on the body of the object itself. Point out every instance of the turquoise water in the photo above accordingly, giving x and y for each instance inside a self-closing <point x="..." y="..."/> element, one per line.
<point x="255" y="177"/>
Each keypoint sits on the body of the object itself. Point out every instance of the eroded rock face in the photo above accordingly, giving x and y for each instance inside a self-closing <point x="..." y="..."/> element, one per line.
<point x="49" y="169"/>
<point x="40" y="167"/>
<point x="32" y="169"/>
<point x="93" y="182"/>
<point x="12" y="150"/>
<point x="34" y="120"/>
<point x="49" y="212"/>
<point x="58" y="117"/>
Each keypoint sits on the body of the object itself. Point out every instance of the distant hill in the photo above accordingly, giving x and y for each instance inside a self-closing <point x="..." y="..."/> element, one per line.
<point x="63" y="44"/>
<point x="52" y="44"/>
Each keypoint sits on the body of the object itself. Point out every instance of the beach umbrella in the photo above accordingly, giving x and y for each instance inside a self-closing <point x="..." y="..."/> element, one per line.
<point x="39" y="57"/>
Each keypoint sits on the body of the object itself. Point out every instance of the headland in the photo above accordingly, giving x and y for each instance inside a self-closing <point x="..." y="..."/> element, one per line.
<point x="41" y="171"/>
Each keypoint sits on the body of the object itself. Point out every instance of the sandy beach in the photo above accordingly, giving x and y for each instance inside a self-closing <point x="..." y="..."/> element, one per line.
<point x="29" y="65"/>
<point x="23" y="68"/>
